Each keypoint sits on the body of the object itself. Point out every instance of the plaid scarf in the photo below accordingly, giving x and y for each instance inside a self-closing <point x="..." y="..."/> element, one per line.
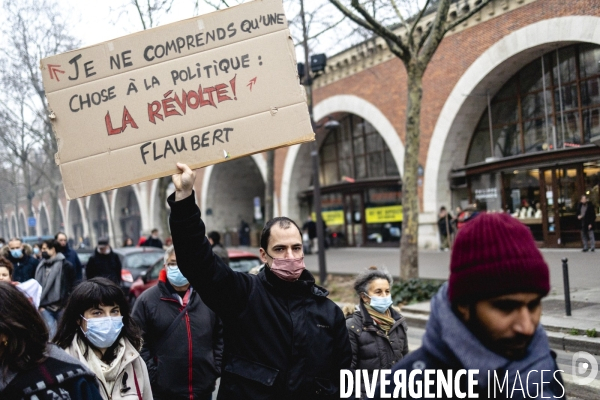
<point x="385" y="321"/>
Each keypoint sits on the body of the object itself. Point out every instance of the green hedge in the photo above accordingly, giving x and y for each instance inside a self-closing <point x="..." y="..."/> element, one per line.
<point x="414" y="290"/>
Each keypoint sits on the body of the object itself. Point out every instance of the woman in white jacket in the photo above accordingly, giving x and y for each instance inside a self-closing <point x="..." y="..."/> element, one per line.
<point x="96" y="328"/>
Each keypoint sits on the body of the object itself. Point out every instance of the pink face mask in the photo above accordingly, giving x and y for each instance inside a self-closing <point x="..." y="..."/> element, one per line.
<point x="288" y="269"/>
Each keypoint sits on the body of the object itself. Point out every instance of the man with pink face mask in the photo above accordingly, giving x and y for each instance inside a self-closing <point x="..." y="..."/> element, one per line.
<point x="283" y="338"/>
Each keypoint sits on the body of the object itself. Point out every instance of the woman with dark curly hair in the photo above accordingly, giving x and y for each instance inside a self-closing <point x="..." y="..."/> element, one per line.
<point x="97" y="329"/>
<point x="377" y="331"/>
<point x="30" y="367"/>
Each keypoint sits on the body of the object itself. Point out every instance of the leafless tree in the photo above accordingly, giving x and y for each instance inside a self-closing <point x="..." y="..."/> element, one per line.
<point x="33" y="29"/>
<point x="413" y="30"/>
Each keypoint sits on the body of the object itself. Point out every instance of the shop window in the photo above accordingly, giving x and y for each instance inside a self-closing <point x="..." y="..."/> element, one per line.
<point x="383" y="214"/>
<point x="506" y="141"/>
<point x="355" y="150"/>
<point x="559" y="98"/>
<point x="530" y="77"/>
<point x="591" y="124"/>
<point x="591" y="173"/>
<point x="536" y="135"/>
<point x="522" y="194"/>
<point x="486" y="192"/>
<point x="391" y="169"/>
<point x="480" y="147"/>
<point x="534" y="106"/>
<point x="568" y="95"/>
<point x="589" y="54"/>
<point x="376" y="165"/>
<point x="504" y="112"/>
<point x="590" y="95"/>
<point x="361" y="167"/>
<point x="565" y="58"/>
<point x="568" y="129"/>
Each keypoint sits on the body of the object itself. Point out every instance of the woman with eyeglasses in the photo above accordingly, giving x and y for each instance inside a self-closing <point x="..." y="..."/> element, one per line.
<point x="97" y="329"/>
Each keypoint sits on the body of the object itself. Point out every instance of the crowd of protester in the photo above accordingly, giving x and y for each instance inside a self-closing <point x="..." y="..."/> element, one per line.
<point x="275" y="335"/>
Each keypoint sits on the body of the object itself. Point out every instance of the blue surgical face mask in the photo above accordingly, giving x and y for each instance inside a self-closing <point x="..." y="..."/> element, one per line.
<point x="380" y="304"/>
<point x="102" y="332"/>
<point x="175" y="276"/>
<point x="16" y="253"/>
<point x="36" y="250"/>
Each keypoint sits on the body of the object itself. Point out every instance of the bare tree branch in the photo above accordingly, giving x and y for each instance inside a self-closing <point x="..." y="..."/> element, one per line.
<point x="379" y="28"/>
<point x="437" y="33"/>
<point x="417" y="20"/>
<point x="139" y="10"/>
<point x="399" y="14"/>
<point x="348" y="13"/>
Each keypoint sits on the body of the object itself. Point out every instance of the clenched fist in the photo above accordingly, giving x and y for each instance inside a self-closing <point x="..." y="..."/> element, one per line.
<point x="184" y="182"/>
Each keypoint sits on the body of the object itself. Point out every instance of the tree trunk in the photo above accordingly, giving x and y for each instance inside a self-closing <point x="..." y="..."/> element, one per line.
<point x="409" y="244"/>
<point x="270" y="186"/>
<point x="163" y="185"/>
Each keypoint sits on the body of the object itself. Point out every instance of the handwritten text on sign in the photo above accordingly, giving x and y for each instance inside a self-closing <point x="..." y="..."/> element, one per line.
<point x="188" y="89"/>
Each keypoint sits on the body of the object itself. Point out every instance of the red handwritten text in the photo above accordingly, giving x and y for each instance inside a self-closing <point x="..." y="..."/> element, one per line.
<point x="171" y="106"/>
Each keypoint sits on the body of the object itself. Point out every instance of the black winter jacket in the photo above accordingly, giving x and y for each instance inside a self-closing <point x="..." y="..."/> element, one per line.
<point x="24" y="267"/>
<point x="371" y="347"/>
<point x="151" y="242"/>
<point x="188" y="362"/>
<point x="283" y="340"/>
<point x="104" y="265"/>
<point x="590" y="215"/>
<point x="72" y="257"/>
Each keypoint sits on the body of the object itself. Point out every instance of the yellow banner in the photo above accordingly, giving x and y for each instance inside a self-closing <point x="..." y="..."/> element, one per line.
<point x="377" y="215"/>
<point x="331" y="218"/>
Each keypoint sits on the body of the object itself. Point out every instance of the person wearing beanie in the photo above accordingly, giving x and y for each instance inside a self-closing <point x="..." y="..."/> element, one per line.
<point x="487" y="316"/>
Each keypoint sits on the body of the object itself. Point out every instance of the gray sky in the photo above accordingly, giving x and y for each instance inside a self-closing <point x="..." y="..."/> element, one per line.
<point x="98" y="21"/>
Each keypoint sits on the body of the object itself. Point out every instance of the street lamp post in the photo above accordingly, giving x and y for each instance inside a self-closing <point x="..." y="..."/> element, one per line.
<point x="308" y="81"/>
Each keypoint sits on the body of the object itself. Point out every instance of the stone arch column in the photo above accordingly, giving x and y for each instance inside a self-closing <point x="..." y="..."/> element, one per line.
<point x="123" y="215"/>
<point x="44" y="220"/>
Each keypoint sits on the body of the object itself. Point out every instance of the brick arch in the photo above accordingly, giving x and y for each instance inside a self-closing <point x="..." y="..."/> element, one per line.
<point x="463" y="107"/>
<point x="353" y="105"/>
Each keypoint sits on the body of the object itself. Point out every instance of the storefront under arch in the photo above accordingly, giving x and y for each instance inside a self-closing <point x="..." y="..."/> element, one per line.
<point x="361" y="192"/>
<point x="532" y="153"/>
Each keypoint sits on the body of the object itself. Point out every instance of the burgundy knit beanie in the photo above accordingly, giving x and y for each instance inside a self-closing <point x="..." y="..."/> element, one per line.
<point x="493" y="255"/>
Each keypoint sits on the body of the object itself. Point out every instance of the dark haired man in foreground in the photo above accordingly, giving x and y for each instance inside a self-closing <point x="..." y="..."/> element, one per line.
<point x="487" y="317"/>
<point x="283" y="338"/>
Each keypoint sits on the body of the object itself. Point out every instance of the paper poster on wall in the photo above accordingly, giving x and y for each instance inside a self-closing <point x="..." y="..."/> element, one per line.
<point x="376" y="215"/>
<point x="331" y="218"/>
<point x="200" y="91"/>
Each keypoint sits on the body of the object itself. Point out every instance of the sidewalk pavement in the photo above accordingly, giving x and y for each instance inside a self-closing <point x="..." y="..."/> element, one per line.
<point x="585" y="315"/>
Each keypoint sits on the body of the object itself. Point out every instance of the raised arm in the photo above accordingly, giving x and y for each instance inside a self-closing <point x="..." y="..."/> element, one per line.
<point x="222" y="289"/>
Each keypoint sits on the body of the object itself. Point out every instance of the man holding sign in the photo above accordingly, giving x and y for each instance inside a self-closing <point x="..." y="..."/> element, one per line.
<point x="284" y="339"/>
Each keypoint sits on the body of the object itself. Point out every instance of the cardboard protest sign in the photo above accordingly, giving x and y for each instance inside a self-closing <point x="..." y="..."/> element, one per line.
<point x="200" y="91"/>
